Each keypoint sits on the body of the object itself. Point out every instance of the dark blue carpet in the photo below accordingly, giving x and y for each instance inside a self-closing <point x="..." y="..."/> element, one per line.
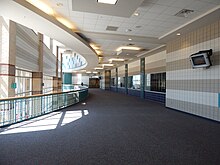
<point x="118" y="130"/>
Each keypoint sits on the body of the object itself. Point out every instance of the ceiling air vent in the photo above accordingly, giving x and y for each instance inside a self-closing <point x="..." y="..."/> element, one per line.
<point x="184" y="13"/>
<point x="111" y="28"/>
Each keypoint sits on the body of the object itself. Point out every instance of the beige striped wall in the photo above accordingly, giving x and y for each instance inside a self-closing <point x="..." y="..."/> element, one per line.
<point x="121" y="71"/>
<point x="156" y="63"/>
<point x="26" y="48"/>
<point x="194" y="90"/>
<point x="113" y="73"/>
<point x="134" y="68"/>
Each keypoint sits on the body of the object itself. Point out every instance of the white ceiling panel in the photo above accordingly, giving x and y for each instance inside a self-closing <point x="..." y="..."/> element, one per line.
<point x="156" y="19"/>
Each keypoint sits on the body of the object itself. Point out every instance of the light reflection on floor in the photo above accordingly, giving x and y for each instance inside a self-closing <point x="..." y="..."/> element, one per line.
<point x="47" y="122"/>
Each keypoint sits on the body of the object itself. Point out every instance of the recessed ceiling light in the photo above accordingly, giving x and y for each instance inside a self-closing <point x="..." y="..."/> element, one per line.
<point x="98" y="68"/>
<point x="136" y="14"/>
<point x="178" y="34"/>
<point x="129" y="39"/>
<point x="116" y="59"/>
<point x="112" y="2"/>
<point x="107" y="65"/>
<point x="128" y="48"/>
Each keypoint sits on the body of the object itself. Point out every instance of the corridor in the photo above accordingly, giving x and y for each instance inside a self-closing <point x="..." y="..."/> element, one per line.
<point x="112" y="129"/>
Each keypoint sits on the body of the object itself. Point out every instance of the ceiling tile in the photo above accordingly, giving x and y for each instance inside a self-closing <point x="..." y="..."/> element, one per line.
<point x="182" y="3"/>
<point x="157" y="8"/>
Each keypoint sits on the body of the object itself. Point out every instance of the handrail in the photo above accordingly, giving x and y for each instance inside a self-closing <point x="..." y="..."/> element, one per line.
<point x="17" y="109"/>
<point x="38" y="95"/>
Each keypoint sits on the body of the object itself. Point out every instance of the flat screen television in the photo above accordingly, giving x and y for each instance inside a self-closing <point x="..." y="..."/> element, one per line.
<point x="201" y="59"/>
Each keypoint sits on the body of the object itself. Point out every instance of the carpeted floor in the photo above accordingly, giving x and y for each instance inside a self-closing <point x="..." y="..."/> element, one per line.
<point x="112" y="129"/>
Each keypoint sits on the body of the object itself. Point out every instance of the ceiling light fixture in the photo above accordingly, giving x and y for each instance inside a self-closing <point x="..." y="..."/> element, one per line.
<point x="130" y="39"/>
<point x="136" y="14"/>
<point x="107" y="65"/>
<point x="94" y="46"/>
<point x="111" y="2"/>
<point x="88" y="72"/>
<point x="99" y="52"/>
<point x="98" y="68"/>
<point x="128" y="48"/>
<point x="178" y="34"/>
<point x="95" y="72"/>
<point x="42" y="6"/>
<point x="116" y="59"/>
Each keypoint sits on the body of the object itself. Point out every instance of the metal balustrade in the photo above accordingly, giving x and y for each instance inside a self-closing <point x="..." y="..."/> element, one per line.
<point x="17" y="109"/>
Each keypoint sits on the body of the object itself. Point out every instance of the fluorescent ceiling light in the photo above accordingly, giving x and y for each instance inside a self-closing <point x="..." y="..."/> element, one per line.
<point x="98" y="68"/>
<point x="112" y="2"/>
<point x="94" y="46"/>
<point x="95" y="72"/>
<point x="116" y="59"/>
<point x="42" y="6"/>
<point x="107" y="65"/>
<point x="65" y="22"/>
<point x="88" y="72"/>
<point x="128" y="48"/>
<point x="98" y="52"/>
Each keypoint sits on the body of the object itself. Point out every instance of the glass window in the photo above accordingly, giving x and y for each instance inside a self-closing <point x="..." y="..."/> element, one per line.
<point x="47" y="84"/>
<point x="134" y="81"/>
<point x="46" y="41"/>
<point x="156" y="82"/>
<point x="113" y="81"/>
<point x="121" y="81"/>
<point x="23" y="80"/>
<point x="147" y="82"/>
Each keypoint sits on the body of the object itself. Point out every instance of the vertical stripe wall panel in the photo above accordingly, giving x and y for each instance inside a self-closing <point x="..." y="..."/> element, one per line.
<point x="113" y="73"/>
<point x="156" y="63"/>
<point x="121" y="71"/>
<point x="26" y="48"/>
<point x="49" y="62"/>
<point x="194" y="91"/>
<point x="134" y="68"/>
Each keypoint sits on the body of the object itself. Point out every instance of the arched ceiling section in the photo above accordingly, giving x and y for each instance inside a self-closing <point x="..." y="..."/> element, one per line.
<point x="28" y="15"/>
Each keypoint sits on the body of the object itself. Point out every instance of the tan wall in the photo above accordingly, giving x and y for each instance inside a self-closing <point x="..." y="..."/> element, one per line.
<point x="134" y="68"/>
<point x="156" y="63"/>
<point x="121" y="71"/>
<point x="194" y="90"/>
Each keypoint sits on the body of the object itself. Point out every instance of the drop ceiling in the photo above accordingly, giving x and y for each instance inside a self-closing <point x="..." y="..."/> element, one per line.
<point x="156" y="19"/>
<point x="156" y="22"/>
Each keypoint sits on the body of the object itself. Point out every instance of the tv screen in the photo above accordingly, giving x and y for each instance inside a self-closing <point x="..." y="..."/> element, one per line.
<point x="201" y="59"/>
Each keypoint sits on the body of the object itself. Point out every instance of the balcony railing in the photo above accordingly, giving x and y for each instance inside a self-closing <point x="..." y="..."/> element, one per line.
<point x="17" y="109"/>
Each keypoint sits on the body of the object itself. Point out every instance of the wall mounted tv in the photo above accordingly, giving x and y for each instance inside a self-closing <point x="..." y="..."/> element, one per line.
<point x="201" y="59"/>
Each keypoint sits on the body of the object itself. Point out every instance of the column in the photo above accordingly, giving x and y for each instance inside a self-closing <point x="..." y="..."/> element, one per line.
<point x="116" y="72"/>
<point x="67" y="78"/>
<point x="142" y="74"/>
<point x="37" y="77"/>
<point x="55" y="79"/>
<point x="126" y="78"/>
<point x="107" y="79"/>
<point x="60" y="79"/>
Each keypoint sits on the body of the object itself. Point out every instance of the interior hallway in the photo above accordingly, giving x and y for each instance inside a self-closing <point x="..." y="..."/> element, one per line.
<point x="112" y="129"/>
